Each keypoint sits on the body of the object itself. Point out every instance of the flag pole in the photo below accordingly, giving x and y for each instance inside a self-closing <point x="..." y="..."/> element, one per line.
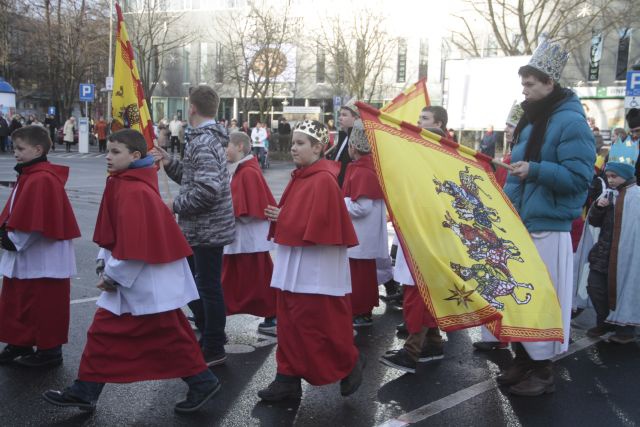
<point x="110" y="71"/>
<point x="437" y="137"/>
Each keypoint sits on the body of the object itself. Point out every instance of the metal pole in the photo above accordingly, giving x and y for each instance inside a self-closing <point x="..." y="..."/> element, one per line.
<point x="110" y="71"/>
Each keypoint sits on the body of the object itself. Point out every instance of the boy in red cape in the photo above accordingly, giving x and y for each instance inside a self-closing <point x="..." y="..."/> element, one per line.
<point x="247" y="265"/>
<point x="37" y="228"/>
<point x="365" y="203"/>
<point x="312" y="229"/>
<point x="139" y="332"/>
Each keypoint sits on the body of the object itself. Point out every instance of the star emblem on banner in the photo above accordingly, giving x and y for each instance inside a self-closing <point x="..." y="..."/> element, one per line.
<point x="460" y="295"/>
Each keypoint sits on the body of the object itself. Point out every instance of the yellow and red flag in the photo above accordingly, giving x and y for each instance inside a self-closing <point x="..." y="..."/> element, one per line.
<point x="128" y="106"/>
<point x="468" y="251"/>
<point x="408" y="105"/>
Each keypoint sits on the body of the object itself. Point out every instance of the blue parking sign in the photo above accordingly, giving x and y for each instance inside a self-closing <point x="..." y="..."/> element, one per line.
<point x="87" y="92"/>
<point x="51" y="111"/>
<point x="633" y="83"/>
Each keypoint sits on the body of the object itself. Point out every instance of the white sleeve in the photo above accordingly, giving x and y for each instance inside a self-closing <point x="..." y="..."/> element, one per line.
<point x="23" y="240"/>
<point x="124" y="272"/>
<point x="359" y="208"/>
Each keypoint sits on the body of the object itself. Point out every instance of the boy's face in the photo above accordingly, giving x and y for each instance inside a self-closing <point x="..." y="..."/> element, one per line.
<point x="614" y="180"/>
<point x="426" y="120"/>
<point x="24" y="152"/>
<point x="534" y="90"/>
<point x="119" y="157"/>
<point x="346" y="119"/>
<point x="234" y="152"/>
<point x="302" y="151"/>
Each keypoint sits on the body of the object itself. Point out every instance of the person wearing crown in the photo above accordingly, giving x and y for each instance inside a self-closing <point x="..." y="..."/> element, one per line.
<point x="312" y="229"/>
<point x="612" y="282"/>
<point x="552" y="159"/>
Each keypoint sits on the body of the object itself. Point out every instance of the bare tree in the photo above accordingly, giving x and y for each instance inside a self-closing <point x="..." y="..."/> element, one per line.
<point x="154" y="34"/>
<point x="256" y="45"/>
<point x="517" y="25"/>
<point x="359" y="50"/>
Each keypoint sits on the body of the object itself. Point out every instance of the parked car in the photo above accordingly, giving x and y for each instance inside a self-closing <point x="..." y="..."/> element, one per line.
<point x="93" y="140"/>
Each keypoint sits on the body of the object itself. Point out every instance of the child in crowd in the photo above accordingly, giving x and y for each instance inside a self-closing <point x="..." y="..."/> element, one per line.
<point x="313" y="230"/>
<point x="37" y="229"/>
<point x="247" y="265"/>
<point x="139" y="331"/>
<point x="365" y="203"/>
<point x="612" y="282"/>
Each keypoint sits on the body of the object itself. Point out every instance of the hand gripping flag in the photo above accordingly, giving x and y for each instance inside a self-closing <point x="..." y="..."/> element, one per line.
<point x="468" y="251"/>
<point x="128" y="107"/>
<point x="409" y="104"/>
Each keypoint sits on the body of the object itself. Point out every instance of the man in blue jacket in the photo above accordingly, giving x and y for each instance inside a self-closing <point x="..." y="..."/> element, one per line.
<point x="552" y="161"/>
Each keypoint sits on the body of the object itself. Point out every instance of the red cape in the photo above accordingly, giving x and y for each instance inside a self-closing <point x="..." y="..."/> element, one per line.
<point x="249" y="191"/>
<point x="313" y="210"/>
<point x="361" y="180"/>
<point x="41" y="204"/>
<point x="133" y="222"/>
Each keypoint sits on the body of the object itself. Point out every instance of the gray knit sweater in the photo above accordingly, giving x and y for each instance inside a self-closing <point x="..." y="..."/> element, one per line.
<point x="203" y="205"/>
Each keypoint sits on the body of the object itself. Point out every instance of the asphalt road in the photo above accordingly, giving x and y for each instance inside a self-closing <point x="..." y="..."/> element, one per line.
<point x="596" y="383"/>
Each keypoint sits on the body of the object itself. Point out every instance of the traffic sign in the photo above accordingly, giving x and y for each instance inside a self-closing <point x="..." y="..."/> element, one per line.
<point x="51" y="111"/>
<point x="87" y="92"/>
<point x="633" y="83"/>
<point x="337" y="102"/>
<point x="632" y="102"/>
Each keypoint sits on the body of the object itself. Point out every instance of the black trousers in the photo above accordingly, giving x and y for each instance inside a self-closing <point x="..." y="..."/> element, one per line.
<point x="598" y="290"/>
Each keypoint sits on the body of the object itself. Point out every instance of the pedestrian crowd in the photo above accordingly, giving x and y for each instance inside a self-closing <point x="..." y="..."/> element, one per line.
<point x="329" y="240"/>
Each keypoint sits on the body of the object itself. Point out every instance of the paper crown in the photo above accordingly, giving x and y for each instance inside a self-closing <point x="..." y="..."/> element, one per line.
<point x="314" y="129"/>
<point x="625" y="152"/>
<point x="515" y="114"/>
<point x="358" y="138"/>
<point x="633" y="118"/>
<point x="550" y="58"/>
<point x="351" y="106"/>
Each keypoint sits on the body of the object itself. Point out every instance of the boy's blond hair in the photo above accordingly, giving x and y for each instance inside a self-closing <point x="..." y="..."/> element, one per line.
<point x="241" y="139"/>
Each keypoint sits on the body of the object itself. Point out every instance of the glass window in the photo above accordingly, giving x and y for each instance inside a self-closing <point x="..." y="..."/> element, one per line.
<point x="423" y="64"/>
<point x="401" y="70"/>
<point x="623" y="53"/>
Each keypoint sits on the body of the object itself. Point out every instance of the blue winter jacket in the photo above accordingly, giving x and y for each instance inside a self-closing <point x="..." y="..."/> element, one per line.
<point x="552" y="195"/>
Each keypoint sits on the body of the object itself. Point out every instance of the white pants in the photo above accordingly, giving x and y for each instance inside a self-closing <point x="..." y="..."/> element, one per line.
<point x="557" y="253"/>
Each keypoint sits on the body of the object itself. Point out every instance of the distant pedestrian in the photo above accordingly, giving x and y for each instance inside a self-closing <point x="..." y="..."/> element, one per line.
<point x="101" y="131"/>
<point x="4" y="133"/>
<point x="488" y="143"/>
<point x="175" y="126"/>
<point x="69" y="133"/>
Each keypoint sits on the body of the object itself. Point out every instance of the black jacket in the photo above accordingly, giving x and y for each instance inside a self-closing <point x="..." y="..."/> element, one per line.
<point x="599" y="254"/>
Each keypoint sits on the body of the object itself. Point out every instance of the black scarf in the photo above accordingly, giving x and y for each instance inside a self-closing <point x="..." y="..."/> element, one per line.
<point x="20" y="166"/>
<point x="538" y="113"/>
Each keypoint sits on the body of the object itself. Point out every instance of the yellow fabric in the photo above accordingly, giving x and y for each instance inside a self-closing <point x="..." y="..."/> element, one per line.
<point x="408" y="105"/>
<point x="128" y="107"/>
<point x="440" y="234"/>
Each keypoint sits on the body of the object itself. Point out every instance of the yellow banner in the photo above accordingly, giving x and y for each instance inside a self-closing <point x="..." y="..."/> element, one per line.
<point x="408" y="105"/>
<point x="469" y="253"/>
<point x="128" y="106"/>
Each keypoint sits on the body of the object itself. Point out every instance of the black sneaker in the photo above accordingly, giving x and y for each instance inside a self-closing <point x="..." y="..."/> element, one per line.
<point x="598" y="331"/>
<point x="40" y="359"/>
<point x="489" y="345"/>
<point x="269" y="326"/>
<point x="402" y="328"/>
<point x="214" y="359"/>
<point x="64" y="399"/>
<point x="399" y="359"/>
<point x="12" y="352"/>
<point x="431" y="352"/>
<point x="364" y="320"/>
<point x="281" y="390"/>
<point x="392" y="290"/>
<point x="351" y="383"/>
<point x="195" y="400"/>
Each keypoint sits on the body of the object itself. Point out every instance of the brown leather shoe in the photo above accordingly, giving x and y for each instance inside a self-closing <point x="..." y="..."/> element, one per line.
<point x="517" y="372"/>
<point x="539" y="382"/>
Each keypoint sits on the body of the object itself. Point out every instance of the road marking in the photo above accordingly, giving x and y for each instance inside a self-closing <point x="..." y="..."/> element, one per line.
<point x="454" y="399"/>
<point x="83" y="300"/>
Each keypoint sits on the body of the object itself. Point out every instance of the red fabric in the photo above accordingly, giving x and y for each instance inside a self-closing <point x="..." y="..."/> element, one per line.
<point x="501" y="173"/>
<point x="313" y="210"/>
<point x="34" y="312"/>
<point x="125" y="349"/>
<point x="415" y="312"/>
<point x="576" y="232"/>
<point x="360" y="180"/>
<point x="315" y="337"/>
<point x="41" y="204"/>
<point x="101" y="129"/>
<point x="246" y="280"/>
<point x="249" y="191"/>
<point x="364" y="285"/>
<point x="133" y="222"/>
